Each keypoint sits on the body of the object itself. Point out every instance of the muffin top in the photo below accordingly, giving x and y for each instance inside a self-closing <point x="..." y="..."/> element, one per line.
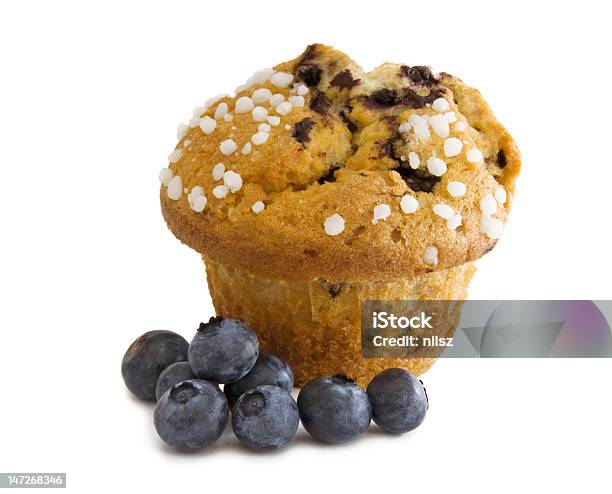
<point x="317" y="169"/>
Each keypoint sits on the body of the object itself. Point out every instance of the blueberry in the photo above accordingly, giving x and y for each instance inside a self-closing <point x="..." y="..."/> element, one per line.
<point x="265" y="418"/>
<point x="398" y="399"/>
<point x="269" y="369"/>
<point x="334" y="409"/>
<point x="191" y="415"/>
<point x="223" y="350"/>
<point x="171" y="375"/>
<point x="150" y="354"/>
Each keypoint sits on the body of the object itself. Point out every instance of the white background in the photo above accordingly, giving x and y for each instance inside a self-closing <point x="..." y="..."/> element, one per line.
<point x="90" y="97"/>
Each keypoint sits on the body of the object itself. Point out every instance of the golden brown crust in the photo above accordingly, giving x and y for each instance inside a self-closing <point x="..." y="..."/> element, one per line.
<point x="288" y="240"/>
<point x="488" y="134"/>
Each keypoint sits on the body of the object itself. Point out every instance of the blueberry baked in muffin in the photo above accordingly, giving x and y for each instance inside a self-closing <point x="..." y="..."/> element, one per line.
<point x="319" y="185"/>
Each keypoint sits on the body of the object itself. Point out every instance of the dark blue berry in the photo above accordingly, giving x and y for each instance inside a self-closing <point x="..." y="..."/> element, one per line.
<point x="399" y="402"/>
<point x="171" y="375"/>
<point x="223" y="350"/>
<point x="147" y="357"/>
<point x="265" y="418"/>
<point x="191" y="415"/>
<point x="269" y="369"/>
<point x="334" y="409"/>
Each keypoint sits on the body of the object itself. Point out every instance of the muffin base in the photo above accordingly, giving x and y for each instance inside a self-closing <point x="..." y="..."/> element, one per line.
<point x="315" y="325"/>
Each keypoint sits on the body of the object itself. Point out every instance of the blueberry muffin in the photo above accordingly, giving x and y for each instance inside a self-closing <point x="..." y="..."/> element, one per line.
<point x="319" y="185"/>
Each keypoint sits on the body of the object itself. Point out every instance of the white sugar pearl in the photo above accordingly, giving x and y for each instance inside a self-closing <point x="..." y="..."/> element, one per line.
<point x="259" y="113"/>
<point x="232" y="180"/>
<point x="198" y="204"/>
<point x="436" y="166"/>
<point x="287" y="127"/>
<point x="452" y="146"/>
<point x="208" y="125"/>
<point x="456" y="189"/>
<point x="460" y="126"/>
<point x="175" y="155"/>
<point x="220" y="191"/>
<point x="419" y="125"/>
<point x="430" y="255"/>
<point x="263" y="127"/>
<point x="444" y="211"/>
<point x="197" y="199"/>
<point x="228" y="147"/>
<point x="261" y="95"/>
<point x="181" y="130"/>
<point x="491" y="227"/>
<point x="488" y="204"/>
<point x="334" y="224"/>
<point x="194" y="122"/>
<point x="439" y="125"/>
<point x="243" y="104"/>
<point x="221" y="110"/>
<point x="258" y="207"/>
<point x="273" y="120"/>
<point x="422" y="132"/>
<point x="276" y="99"/>
<point x="413" y="160"/>
<point x="262" y="76"/>
<point x="500" y="195"/>
<point x="259" y="138"/>
<point x="197" y="111"/>
<point x="186" y="143"/>
<point x="228" y="117"/>
<point x="454" y="222"/>
<point x="474" y="156"/>
<point x="409" y="204"/>
<point x="175" y="188"/>
<point x="302" y="90"/>
<point x="450" y="117"/>
<point x="440" y="105"/>
<point x="381" y="212"/>
<point x="165" y="175"/>
<point x="218" y="171"/>
<point x="196" y="191"/>
<point x="246" y="149"/>
<point x="281" y="79"/>
<point x="296" y="101"/>
<point x="284" y="108"/>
